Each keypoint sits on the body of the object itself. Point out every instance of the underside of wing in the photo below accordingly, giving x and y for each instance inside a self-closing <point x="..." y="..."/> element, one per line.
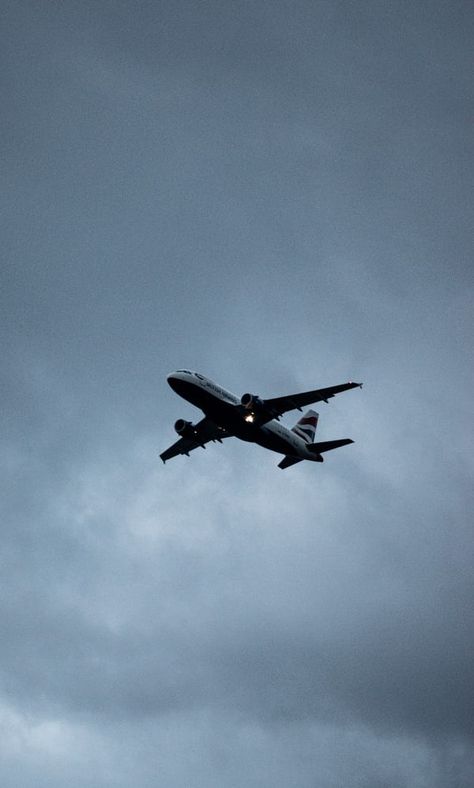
<point x="280" y="405"/>
<point x="196" y="436"/>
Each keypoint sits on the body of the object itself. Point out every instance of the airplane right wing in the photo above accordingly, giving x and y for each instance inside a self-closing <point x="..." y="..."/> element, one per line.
<point x="280" y="405"/>
<point x="196" y="435"/>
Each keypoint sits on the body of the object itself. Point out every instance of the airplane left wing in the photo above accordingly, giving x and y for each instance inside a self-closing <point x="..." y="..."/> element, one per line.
<point x="280" y="405"/>
<point x="196" y="435"/>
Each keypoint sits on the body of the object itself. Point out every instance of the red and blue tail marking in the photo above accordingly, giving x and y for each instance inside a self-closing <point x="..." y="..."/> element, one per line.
<point x="306" y="427"/>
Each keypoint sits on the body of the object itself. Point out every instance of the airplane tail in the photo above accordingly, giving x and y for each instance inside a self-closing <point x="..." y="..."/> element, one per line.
<point x="306" y="427"/>
<point x="288" y="460"/>
<point x="319" y="448"/>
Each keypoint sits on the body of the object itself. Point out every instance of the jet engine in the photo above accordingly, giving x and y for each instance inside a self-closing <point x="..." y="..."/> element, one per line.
<point x="251" y="402"/>
<point x="185" y="429"/>
<point x="253" y="405"/>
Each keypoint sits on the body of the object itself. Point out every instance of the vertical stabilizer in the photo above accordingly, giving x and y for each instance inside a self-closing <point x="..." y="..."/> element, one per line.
<point x="306" y="427"/>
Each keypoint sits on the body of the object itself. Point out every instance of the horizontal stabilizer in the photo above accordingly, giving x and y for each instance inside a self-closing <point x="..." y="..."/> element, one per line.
<point x="318" y="448"/>
<point x="287" y="461"/>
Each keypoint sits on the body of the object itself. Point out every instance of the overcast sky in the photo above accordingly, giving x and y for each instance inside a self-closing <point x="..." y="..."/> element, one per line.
<point x="279" y="195"/>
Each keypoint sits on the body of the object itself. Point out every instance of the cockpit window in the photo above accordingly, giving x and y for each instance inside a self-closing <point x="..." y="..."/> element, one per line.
<point x="201" y="377"/>
<point x="186" y="371"/>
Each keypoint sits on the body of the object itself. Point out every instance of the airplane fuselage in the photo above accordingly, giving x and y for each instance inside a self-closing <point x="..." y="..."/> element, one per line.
<point x="219" y="406"/>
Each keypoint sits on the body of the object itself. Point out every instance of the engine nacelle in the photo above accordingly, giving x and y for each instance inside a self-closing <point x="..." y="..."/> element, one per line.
<point x="251" y="402"/>
<point x="185" y="429"/>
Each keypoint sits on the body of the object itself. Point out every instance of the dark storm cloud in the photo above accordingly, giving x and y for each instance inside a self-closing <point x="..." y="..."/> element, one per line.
<point x="276" y="194"/>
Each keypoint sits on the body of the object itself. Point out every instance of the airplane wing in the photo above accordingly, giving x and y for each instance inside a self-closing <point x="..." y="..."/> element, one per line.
<point x="203" y="432"/>
<point x="280" y="405"/>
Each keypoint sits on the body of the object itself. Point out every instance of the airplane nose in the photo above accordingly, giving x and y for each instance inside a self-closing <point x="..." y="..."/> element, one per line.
<point x="173" y="381"/>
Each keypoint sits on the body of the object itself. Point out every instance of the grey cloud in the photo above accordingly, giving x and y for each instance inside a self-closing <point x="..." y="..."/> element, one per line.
<point x="271" y="617"/>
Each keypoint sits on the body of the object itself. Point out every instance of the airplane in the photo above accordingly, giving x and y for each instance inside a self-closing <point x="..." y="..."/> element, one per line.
<point x="250" y="419"/>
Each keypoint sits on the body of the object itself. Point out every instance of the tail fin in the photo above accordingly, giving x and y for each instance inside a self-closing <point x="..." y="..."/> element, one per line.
<point x="306" y="427"/>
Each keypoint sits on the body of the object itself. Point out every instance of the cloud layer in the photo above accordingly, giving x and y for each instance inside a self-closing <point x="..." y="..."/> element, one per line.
<point x="276" y="195"/>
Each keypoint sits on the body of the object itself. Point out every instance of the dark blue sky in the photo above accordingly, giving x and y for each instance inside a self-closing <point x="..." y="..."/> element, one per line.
<point x="278" y="195"/>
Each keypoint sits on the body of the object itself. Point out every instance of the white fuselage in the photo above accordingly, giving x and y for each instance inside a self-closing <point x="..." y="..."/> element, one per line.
<point x="224" y="409"/>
